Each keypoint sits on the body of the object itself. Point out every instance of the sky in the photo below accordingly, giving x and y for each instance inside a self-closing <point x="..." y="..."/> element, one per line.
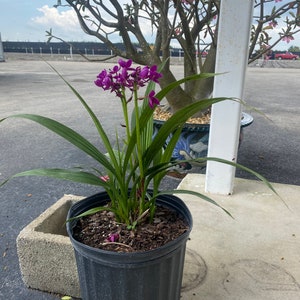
<point x="22" y="20"/>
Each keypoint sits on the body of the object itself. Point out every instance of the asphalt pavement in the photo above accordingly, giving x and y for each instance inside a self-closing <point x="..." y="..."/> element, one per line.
<point x="270" y="145"/>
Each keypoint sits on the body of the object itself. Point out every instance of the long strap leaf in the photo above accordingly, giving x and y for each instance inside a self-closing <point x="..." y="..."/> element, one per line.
<point x="175" y="121"/>
<point x="147" y="112"/>
<point x="71" y="175"/>
<point x="94" y="118"/>
<point x="202" y="196"/>
<point x="70" y="135"/>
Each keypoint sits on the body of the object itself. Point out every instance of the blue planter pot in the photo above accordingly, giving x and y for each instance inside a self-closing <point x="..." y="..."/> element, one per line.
<point x="155" y="274"/>
<point x="193" y="141"/>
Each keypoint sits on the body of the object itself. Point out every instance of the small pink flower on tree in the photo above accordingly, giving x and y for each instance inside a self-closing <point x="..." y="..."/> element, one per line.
<point x="273" y="24"/>
<point x="288" y="38"/>
<point x="177" y="31"/>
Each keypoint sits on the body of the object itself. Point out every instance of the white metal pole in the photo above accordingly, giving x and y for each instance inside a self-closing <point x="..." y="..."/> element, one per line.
<point x="232" y="55"/>
<point x="71" y="52"/>
<point x="1" y="50"/>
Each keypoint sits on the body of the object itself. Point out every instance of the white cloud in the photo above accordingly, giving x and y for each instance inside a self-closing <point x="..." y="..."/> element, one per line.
<point x="64" y="23"/>
<point x="51" y="16"/>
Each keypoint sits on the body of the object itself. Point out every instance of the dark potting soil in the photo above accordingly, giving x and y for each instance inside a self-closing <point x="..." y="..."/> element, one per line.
<point x="101" y="231"/>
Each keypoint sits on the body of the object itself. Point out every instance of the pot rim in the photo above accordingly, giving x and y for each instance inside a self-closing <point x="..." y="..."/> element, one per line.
<point x="246" y="120"/>
<point x="162" y="251"/>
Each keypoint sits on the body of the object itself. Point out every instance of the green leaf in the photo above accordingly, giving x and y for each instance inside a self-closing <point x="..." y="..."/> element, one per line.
<point x="202" y="196"/>
<point x="292" y="14"/>
<point x="268" y="27"/>
<point x="160" y="95"/>
<point x="102" y="134"/>
<point x="65" y="174"/>
<point x="49" y="34"/>
<point x="220" y="160"/>
<point x="259" y="176"/>
<point x="176" y="121"/>
<point x="90" y="212"/>
<point x="147" y="112"/>
<point x="70" y="135"/>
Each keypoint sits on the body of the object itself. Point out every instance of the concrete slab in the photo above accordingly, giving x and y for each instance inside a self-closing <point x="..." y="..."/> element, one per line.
<point x="253" y="256"/>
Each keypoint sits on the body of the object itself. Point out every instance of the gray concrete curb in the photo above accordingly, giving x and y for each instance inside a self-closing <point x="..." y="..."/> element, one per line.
<point x="46" y="256"/>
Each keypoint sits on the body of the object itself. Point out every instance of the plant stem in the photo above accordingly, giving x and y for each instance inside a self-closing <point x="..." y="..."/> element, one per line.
<point x="125" y="113"/>
<point x="139" y="151"/>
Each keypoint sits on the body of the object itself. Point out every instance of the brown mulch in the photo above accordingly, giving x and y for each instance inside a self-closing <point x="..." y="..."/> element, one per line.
<point x="101" y="231"/>
<point x="163" y="115"/>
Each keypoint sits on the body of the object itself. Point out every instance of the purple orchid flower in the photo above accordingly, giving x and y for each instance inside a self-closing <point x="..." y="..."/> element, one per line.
<point x="124" y="76"/>
<point x="113" y="237"/>
<point x="153" y="101"/>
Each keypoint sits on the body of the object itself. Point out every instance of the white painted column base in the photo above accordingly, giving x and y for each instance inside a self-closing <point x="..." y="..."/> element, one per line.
<point x="232" y="56"/>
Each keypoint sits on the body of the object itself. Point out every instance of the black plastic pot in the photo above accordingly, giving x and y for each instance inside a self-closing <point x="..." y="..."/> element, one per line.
<point x="150" y="275"/>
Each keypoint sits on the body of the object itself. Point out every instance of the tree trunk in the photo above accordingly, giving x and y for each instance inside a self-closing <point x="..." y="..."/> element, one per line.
<point x="203" y="88"/>
<point x="177" y="98"/>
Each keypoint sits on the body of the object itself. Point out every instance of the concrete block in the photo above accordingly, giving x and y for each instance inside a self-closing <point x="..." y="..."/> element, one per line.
<point x="46" y="256"/>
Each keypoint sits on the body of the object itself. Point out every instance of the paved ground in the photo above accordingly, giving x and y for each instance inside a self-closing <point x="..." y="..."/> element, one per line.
<point x="254" y="256"/>
<point x="270" y="146"/>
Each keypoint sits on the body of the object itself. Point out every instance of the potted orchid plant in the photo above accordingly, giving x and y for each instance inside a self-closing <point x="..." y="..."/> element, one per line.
<point x="130" y="239"/>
